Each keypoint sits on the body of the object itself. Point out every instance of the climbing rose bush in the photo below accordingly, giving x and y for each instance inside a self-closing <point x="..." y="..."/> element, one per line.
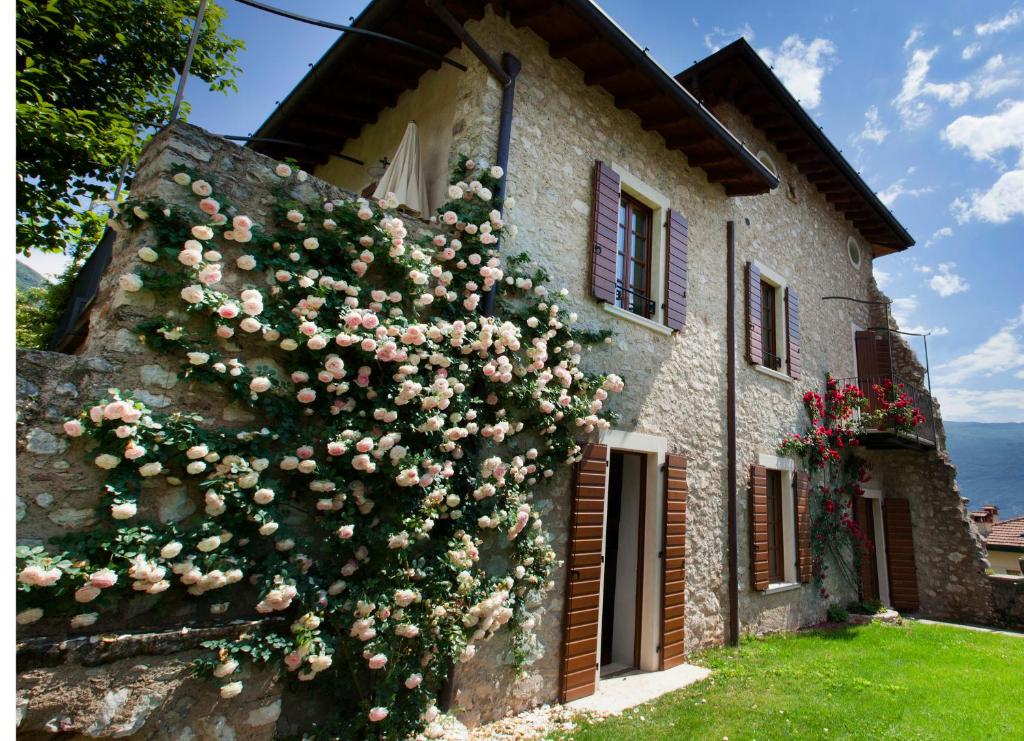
<point x="382" y="512"/>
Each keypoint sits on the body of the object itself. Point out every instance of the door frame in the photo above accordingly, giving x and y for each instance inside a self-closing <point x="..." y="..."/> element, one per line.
<point x="654" y="448"/>
<point x="875" y="497"/>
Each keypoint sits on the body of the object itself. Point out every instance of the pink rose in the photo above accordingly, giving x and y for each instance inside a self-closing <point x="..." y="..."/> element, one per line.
<point x="377" y="661"/>
<point x="73" y="428"/>
<point x="335" y="448"/>
<point x="209" y="206"/>
<point x="345" y="532"/>
<point x="378" y="714"/>
<point x="228" y="311"/>
<point x="306" y="395"/>
<point x="103" y="579"/>
<point x="304" y="452"/>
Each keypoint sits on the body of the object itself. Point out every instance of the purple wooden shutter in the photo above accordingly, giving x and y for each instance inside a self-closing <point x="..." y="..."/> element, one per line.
<point x="793" y="333"/>
<point x="605" y="233"/>
<point x="676" y="247"/>
<point x="754" y="353"/>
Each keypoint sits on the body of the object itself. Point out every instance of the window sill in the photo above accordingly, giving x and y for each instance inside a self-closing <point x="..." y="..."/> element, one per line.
<point x="773" y="373"/>
<point x="629" y="316"/>
<point x="782" y="586"/>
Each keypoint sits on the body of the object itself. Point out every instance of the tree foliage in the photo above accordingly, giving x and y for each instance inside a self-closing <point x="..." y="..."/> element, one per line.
<point x="92" y="75"/>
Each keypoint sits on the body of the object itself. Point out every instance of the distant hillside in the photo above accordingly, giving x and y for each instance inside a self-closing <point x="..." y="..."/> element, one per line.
<point x="990" y="464"/>
<point x="28" y="278"/>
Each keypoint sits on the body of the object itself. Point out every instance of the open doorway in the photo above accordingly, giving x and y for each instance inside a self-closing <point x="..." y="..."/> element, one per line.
<point x="622" y="587"/>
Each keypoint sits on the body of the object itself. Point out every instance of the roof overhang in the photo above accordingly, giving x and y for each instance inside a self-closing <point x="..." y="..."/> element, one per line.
<point x="736" y="74"/>
<point x="323" y="108"/>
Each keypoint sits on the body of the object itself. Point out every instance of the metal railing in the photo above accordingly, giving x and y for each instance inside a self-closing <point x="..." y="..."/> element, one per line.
<point x="923" y="432"/>
<point x="639" y="303"/>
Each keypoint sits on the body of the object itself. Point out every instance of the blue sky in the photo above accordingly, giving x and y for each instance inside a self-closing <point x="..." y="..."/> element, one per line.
<point x="926" y="99"/>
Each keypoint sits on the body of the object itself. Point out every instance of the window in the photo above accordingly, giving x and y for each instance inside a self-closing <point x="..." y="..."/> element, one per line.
<point x="633" y="258"/>
<point x="765" y="159"/>
<point x="853" y="250"/>
<point x="769" y="327"/>
<point x="776" y="539"/>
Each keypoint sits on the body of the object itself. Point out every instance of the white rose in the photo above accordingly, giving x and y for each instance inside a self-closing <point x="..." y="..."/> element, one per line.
<point x="84" y="620"/>
<point x="231" y="689"/>
<point x="130" y="282"/>
<point x="246" y="262"/>
<point x="148" y="254"/>
<point x="282" y="170"/>
<point x="192" y="294"/>
<point x="259" y="384"/>
<point x="107" y="461"/>
<point x="198" y="358"/>
<point x="203" y="232"/>
<point x="151" y="469"/>
<point x="208" y="544"/>
<point x="26" y="617"/>
<point x="223" y="670"/>
<point x="181" y="178"/>
<point x="170" y="550"/>
<point x="123" y="511"/>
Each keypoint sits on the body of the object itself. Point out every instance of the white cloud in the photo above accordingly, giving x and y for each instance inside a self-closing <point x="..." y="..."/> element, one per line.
<point x="903" y="308"/>
<point x="985" y="136"/>
<point x="882" y="278"/>
<point x="897" y="189"/>
<point x="1001" y="353"/>
<point x="913" y="110"/>
<point x="947" y="283"/>
<point x="943" y="233"/>
<point x="719" y="37"/>
<point x="1011" y="19"/>
<point x="997" y="205"/>
<point x="913" y="38"/>
<point x="972" y="405"/>
<point x="970" y="50"/>
<point x="997" y="76"/>
<point x="874" y="130"/>
<point x="922" y="269"/>
<point x="801" y="67"/>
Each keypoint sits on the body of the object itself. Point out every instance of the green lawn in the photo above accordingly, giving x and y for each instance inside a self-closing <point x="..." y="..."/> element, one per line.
<point x="873" y="682"/>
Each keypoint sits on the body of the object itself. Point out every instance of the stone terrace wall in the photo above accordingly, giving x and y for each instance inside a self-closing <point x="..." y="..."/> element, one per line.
<point x="127" y="676"/>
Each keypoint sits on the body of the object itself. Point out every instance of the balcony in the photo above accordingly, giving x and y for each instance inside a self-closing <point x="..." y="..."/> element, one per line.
<point x="881" y="430"/>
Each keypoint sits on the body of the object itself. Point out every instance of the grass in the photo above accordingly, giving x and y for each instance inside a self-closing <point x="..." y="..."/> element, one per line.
<point x="876" y="681"/>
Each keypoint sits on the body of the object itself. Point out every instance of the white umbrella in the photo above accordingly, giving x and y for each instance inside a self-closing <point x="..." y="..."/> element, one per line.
<point x="404" y="176"/>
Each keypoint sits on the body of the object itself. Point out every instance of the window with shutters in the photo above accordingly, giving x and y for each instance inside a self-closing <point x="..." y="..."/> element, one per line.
<point x="773" y="319"/>
<point x="634" y="258"/>
<point x="782" y="520"/>
<point x="639" y="262"/>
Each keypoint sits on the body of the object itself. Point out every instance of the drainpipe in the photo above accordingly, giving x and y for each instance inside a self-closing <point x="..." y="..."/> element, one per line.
<point x="506" y="73"/>
<point x="730" y="339"/>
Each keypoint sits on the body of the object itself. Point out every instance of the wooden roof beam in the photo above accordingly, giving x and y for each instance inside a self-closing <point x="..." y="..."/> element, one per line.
<point x="659" y="120"/>
<point x="628" y="100"/>
<point x="685" y="141"/>
<point x="534" y="13"/>
<point x="560" y="49"/>
<point x="604" y="74"/>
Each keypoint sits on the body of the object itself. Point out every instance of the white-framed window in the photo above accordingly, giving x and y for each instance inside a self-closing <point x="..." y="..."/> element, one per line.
<point x="640" y="262"/>
<point x="854" y="252"/>
<point x="782" y="551"/>
<point x="773" y="323"/>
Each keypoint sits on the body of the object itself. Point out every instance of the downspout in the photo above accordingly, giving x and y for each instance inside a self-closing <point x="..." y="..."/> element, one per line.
<point x="506" y="74"/>
<point x="730" y="339"/>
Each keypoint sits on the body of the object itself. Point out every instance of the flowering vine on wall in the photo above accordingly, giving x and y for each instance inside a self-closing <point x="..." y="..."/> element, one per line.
<point x="827" y="450"/>
<point x="400" y="438"/>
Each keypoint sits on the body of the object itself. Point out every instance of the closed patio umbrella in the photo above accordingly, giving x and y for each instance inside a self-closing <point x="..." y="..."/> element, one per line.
<point x="404" y="176"/>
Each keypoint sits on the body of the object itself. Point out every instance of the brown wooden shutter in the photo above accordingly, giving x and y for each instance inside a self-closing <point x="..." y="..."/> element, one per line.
<point x="873" y="359"/>
<point x="754" y="353"/>
<point x="676" y="249"/>
<point x="759" y="527"/>
<point x="673" y="565"/>
<point x="899" y="547"/>
<point x="605" y="233"/>
<point x="801" y="485"/>
<point x="583" y="591"/>
<point x="793" y="333"/>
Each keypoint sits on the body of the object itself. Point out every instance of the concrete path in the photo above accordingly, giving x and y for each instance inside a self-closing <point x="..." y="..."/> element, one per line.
<point x="979" y="628"/>
<point x="622" y="692"/>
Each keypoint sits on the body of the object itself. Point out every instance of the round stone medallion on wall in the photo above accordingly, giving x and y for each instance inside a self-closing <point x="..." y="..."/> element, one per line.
<point x="853" y="250"/>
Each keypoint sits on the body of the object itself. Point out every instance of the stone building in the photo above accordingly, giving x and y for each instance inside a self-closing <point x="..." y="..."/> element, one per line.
<point x="683" y="213"/>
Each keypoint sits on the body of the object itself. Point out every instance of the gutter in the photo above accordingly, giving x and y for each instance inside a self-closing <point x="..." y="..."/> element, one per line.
<point x="730" y="492"/>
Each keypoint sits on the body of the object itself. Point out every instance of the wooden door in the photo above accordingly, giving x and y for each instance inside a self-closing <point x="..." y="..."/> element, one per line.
<point x="874" y="364"/>
<point x="899" y="545"/>
<point x="864" y="516"/>
<point x="583" y="578"/>
<point x="673" y="562"/>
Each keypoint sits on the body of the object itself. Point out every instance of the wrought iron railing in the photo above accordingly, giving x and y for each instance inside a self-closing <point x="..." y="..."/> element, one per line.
<point x="638" y="303"/>
<point x="924" y="431"/>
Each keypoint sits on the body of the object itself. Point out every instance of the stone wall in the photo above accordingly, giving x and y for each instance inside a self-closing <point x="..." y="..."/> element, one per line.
<point x="128" y="674"/>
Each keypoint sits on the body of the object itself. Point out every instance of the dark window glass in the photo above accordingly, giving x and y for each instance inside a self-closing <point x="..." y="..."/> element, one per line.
<point x="769" y="337"/>
<point x="633" y="264"/>
<point x="776" y="570"/>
